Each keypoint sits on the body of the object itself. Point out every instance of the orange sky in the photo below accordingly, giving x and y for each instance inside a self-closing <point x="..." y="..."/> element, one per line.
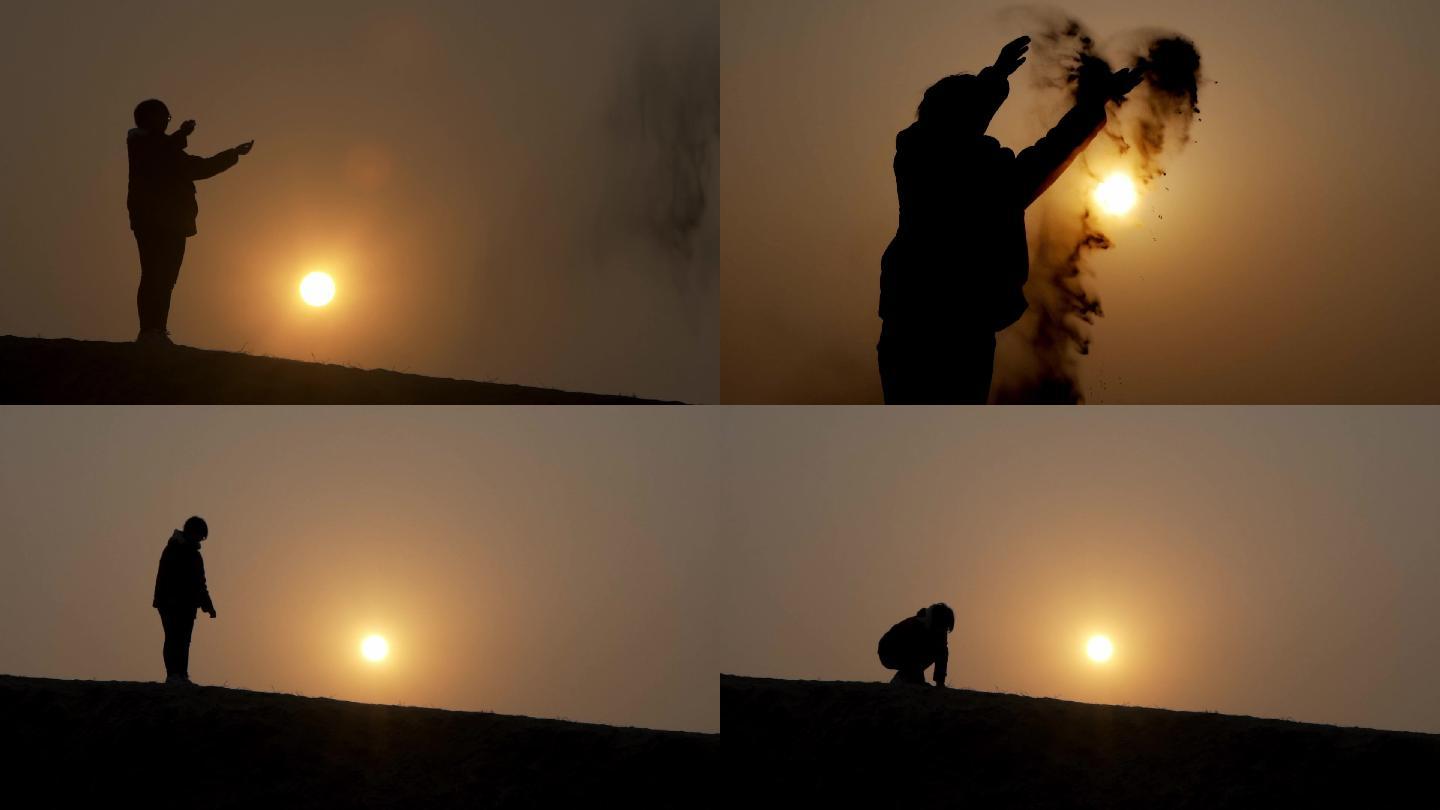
<point x="490" y="189"/>
<point x="544" y="561"/>
<point x="496" y="196"/>
<point x="1293" y="263"/>
<point x="606" y="564"/>
<point x="1272" y="562"/>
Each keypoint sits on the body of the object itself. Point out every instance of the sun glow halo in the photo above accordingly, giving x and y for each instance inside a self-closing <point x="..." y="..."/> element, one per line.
<point x="1099" y="649"/>
<point x="374" y="648"/>
<point x="1116" y="194"/>
<point x="317" y="289"/>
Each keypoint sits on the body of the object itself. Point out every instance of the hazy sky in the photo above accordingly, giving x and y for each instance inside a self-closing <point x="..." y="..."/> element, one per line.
<point x="606" y="564"/>
<point x="1274" y="562"/>
<point x="540" y="561"/>
<point x="1293" y="263"/>
<point x="502" y="190"/>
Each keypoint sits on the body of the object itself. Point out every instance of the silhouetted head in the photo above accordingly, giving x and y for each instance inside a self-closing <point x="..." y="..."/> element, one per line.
<point x="939" y="616"/>
<point x="152" y="114"/>
<point x="196" y="529"/>
<point x="962" y="104"/>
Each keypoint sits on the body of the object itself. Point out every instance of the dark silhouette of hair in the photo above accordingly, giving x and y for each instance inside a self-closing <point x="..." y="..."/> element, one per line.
<point x="963" y="102"/>
<point x="943" y="616"/>
<point x="949" y="92"/>
<point x="149" y="110"/>
<point x="198" y="527"/>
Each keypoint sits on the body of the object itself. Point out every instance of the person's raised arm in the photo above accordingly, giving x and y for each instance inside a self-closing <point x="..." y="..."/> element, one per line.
<point x="198" y="168"/>
<point x="995" y="79"/>
<point x="180" y="138"/>
<point x="1011" y="57"/>
<point x="1042" y="164"/>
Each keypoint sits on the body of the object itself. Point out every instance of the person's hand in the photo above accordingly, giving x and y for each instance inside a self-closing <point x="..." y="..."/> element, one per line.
<point x="1123" y="81"/>
<point x="187" y="127"/>
<point x="211" y="611"/>
<point x="244" y="148"/>
<point x="1012" y="56"/>
<point x="1099" y="84"/>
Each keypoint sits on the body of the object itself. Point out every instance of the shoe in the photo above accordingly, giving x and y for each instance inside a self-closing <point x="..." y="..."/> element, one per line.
<point x="178" y="680"/>
<point x="154" y="337"/>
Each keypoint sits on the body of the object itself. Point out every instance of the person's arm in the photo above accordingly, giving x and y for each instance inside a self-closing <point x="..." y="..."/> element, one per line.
<point x="1042" y="164"/>
<point x="198" y="168"/>
<point x="942" y="662"/>
<point x="205" y="603"/>
<point x="995" y="79"/>
<point x="1011" y="57"/>
<point x="159" y="580"/>
<point x="180" y="138"/>
<point x="1039" y="166"/>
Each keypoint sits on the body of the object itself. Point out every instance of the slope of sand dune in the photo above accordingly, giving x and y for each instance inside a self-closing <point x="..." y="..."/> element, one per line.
<point x="80" y="372"/>
<point x="872" y="744"/>
<point x="119" y="744"/>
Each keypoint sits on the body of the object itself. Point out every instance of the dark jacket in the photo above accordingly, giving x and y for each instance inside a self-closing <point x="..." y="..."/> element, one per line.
<point x="959" y="259"/>
<point x="161" y="196"/>
<point x="912" y="645"/>
<point x="180" y="582"/>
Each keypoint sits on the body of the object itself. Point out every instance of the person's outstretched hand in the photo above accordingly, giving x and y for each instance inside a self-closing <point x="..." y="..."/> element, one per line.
<point x="1123" y="81"/>
<point x="211" y="611"/>
<point x="187" y="127"/>
<point x="1012" y="56"/>
<point x="244" y="148"/>
<point x="1099" y="84"/>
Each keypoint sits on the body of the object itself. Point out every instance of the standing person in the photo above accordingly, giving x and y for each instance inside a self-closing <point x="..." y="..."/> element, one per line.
<point x="161" y="200"/>
<point x="918" y="642"/>
<point x="954" y="274"/>
<point x="179" y="590"/>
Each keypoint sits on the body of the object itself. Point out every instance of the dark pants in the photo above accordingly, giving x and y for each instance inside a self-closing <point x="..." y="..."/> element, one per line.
<point x="917" y="368"/>
<point x="178" y="624"/>
<point x="908" y="669"/>
<point x="161" y="253"/>
<point x="912" y="676"/>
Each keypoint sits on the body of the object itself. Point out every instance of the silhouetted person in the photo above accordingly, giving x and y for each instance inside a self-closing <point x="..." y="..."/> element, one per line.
<point x="954" y="274"/>
<point x="919" y="642"/>
<point x="162" y="207"/>
<point x="179" y="590"/>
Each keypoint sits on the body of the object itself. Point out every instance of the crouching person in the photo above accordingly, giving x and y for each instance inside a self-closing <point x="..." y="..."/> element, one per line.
<point x="917" y="643"/>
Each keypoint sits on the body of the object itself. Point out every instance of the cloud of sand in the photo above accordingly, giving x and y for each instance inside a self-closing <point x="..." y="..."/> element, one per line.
<point x="1043" y="351"/>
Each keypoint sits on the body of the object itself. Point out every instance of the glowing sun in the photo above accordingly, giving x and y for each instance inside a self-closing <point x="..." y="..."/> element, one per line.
<point x="1116" y="194"/>
<point x="1099" y="649"/>
<point x="374" y="648"/>
<point x="317" y="289"/>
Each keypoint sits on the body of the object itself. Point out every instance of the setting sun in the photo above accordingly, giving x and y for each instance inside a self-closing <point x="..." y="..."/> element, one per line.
<point x="317" y="289"/>
<point x="1116" y="194"/>
<point x="1099" y="649"/>
<point x="374" y="648"/>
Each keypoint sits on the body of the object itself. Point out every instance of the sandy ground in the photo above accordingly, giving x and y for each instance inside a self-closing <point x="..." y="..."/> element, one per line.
<point x="877" y="745"/>
<point x="148" y="745"/>
<point x="79" y="372"/>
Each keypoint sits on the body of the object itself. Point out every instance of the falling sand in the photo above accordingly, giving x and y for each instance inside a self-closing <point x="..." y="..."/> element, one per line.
<point x="1152" y="124"/>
